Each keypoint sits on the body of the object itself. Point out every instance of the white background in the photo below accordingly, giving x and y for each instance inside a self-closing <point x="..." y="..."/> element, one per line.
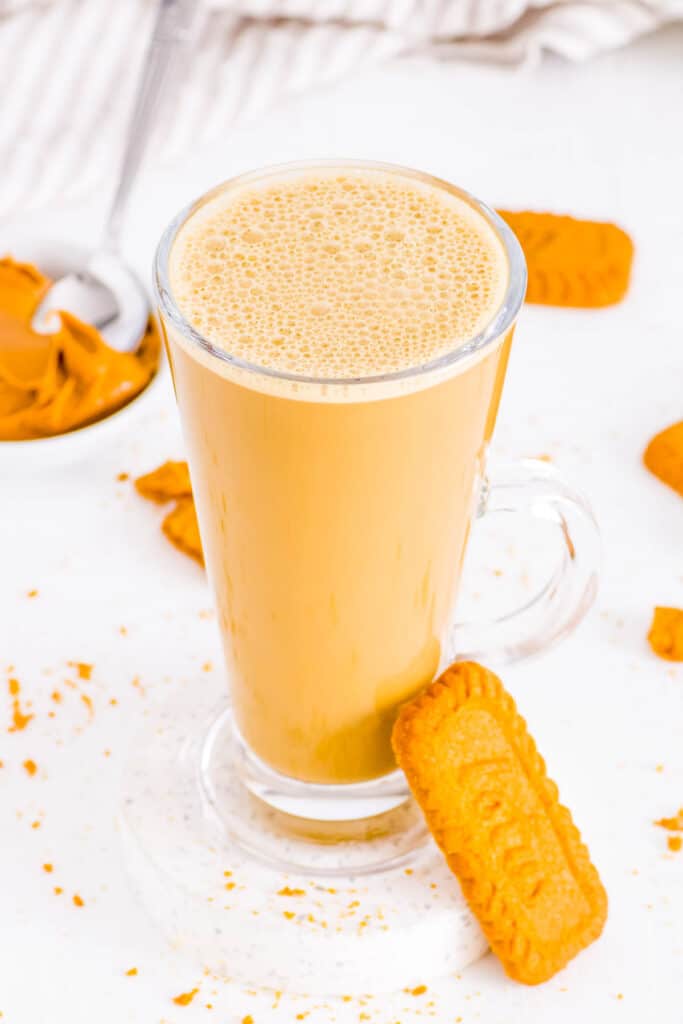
<point x="601" y="140"/>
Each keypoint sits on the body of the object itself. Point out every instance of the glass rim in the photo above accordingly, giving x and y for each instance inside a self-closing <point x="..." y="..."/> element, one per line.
<point x="498" y="325"/>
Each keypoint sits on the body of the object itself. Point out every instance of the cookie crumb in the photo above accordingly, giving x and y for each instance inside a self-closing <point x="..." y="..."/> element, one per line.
<point x="185" y="998"/>
<point x="83" y="669"/>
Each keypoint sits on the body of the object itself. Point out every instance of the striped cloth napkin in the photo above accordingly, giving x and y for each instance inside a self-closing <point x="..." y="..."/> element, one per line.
<point x="73" y="66"/>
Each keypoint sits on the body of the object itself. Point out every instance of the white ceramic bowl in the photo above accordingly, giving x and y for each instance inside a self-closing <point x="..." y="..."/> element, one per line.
<point x="63" y="449"/>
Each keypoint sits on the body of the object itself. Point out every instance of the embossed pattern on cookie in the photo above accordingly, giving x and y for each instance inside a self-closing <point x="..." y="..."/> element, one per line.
<point x="482" y="785"/>
<point x="572" y="262"/>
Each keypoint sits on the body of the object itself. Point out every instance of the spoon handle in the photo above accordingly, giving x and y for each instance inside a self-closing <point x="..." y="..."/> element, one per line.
<point x="173" y="28"/>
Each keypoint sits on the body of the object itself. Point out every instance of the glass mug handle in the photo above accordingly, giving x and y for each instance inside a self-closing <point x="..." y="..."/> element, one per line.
<point x="534" y="489"/>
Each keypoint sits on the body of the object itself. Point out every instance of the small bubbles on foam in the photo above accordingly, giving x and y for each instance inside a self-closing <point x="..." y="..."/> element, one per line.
<point x="338" y="275"/>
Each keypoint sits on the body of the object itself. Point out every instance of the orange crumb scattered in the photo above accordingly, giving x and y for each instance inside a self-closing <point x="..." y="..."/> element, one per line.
<point x="674" y="824"/>
<point x="122" y="477"/>
<point x="19" y="719"/>
<point x="301" y="1016"/>
<point x="56" y="696"/>
<point x="182" y="529"/>
<point x="419" y="990"/>
<point x="544" y="458"/>
<point x="620" y="995"/>
<point x="659" y="768"/>
<point x="248" y="1019"/>
<point x="71" y="684"/>
<point x="674" y="843"/>
<point x="346" y="999"/>
<point x="168" y="481"/>
<point x="408" y="871"/>
<point x="49" y="868"/>
<point x="209" y="1006"/>
<point x="207" y="666"/>
<point x="13" y="687"/>
<point x="289" y="914"/>
<point x="131" y="972"/>
<point x="35" y="824"/>
<point x="113" y="701"/>
<point x="107" y="753"/>
<point x="666" y="633"/>
<point x="88" y="703"/>
<point x="30" y="766"/>
<point x="171" y="482"/>
<point x="664" y="456"/>
<point x="83" y="669"/>
<point x="2" y="764"/>
<point x="230" y="886"/>
<point x="77" y="901"/>
<point x="32" y="593"/>
<point x="185" y="998"/>
<point x="354" y="903"/>
<point x="58" y="890"/>
<point x="123" y="631"/>
<point x="137" y="685"/>
<point x="286" y="891"/>
<point x="227" y="874"/>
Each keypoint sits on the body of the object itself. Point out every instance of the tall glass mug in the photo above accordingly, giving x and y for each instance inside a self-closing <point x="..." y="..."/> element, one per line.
<point x="334" y="514"/>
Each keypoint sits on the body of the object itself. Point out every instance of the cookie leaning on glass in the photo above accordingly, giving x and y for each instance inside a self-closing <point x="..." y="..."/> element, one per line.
<point x="482" y="785"/>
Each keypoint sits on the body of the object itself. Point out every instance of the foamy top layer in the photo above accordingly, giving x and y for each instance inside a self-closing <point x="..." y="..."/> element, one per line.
<point x="337" y="273"/>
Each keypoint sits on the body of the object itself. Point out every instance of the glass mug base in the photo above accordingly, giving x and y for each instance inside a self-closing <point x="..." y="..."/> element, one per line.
<point x="326" y="830"/>
<point x="188" y="825"/>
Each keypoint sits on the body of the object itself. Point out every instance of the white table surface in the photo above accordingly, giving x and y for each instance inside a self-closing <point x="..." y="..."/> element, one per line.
<point x="589" y="388"/>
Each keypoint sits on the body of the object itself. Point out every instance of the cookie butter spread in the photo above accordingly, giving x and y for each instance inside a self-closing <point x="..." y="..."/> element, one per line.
<point x="50" y="384"/>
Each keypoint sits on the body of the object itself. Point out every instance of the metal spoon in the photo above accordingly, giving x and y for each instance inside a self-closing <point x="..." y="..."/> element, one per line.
<point x="104" y="291"/>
